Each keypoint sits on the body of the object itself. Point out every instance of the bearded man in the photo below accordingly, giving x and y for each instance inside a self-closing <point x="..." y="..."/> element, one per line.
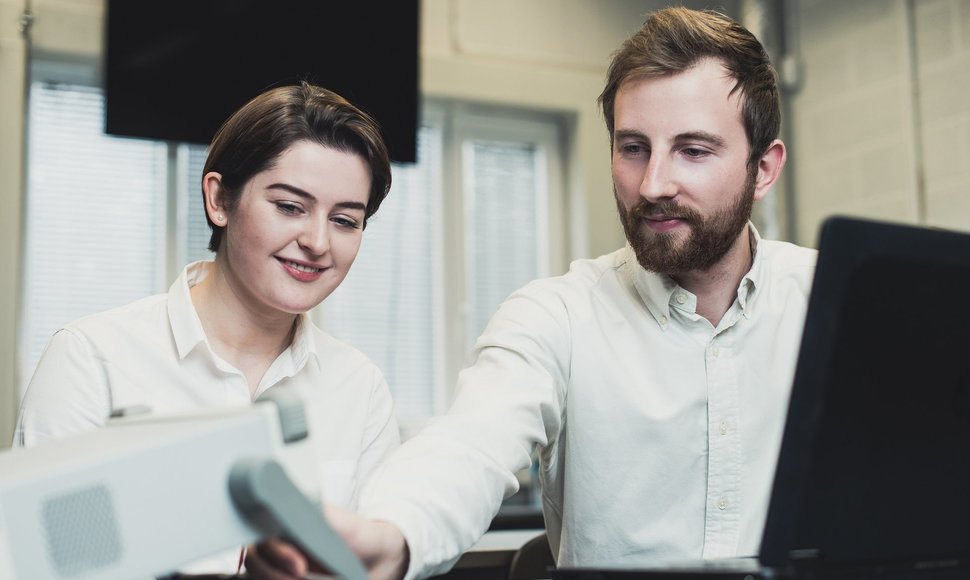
<point x="653" y="381"/>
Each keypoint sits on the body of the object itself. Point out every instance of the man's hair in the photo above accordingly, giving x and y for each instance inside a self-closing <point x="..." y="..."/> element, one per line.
<point x="675" y="39"/>
<point x="254" y="137"/>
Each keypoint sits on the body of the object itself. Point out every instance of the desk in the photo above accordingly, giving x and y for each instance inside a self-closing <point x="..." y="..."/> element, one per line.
<point x="490" y="557"/>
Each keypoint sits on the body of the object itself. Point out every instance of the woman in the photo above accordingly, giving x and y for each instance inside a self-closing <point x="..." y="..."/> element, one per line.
<point x="289" y="183"/>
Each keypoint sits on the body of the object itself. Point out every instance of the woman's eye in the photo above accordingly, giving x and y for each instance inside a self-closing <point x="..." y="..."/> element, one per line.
<point x="346" y="222"/>
<point x="632" y="148"/>
<point x="288" y="208"/>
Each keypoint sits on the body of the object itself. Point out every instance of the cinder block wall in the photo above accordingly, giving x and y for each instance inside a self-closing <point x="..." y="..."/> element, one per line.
<point x="943" y="50"/>
<point x="882" y="121"/>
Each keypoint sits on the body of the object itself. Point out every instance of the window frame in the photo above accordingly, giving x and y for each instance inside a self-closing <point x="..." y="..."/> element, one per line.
<point x="462" y="121"/>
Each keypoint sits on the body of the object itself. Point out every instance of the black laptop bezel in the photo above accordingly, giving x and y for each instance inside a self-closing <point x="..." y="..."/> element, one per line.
<point x="846" y="246"/>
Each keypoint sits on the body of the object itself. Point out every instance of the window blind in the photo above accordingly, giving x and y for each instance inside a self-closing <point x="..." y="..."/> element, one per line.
<point x="501" y="194"/>
<point x="95" y="214"/>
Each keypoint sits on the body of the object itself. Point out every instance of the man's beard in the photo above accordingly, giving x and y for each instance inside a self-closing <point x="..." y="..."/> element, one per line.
<point x="708" y="238"/>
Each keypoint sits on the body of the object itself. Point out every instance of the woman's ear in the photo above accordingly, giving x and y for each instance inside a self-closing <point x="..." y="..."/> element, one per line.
<point x="212" y="193"/>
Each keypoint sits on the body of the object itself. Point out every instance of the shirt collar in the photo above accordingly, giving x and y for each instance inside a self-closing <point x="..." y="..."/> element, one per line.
<point x="654" y="289"/>
<point x="754" y="279"/>
<point x="658" y="290"/>
<point x="187" y="328"/>
<point x="304" y="346"/>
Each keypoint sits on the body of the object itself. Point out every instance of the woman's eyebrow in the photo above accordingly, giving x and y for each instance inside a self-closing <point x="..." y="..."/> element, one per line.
<point x="312" y="198"/>
<point x="292" y="189"/>
<point x="351" y="205"/>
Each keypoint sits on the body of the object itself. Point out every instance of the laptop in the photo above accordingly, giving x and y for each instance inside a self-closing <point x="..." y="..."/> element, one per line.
<point x="873" y="475"/>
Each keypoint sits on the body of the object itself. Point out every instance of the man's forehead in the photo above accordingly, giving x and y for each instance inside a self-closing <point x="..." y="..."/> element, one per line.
<point x="708" y="75"/>
<point x="703" y="95"/>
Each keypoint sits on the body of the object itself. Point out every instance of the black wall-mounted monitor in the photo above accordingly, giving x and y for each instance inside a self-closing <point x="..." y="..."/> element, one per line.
<point x="175" y="70"/>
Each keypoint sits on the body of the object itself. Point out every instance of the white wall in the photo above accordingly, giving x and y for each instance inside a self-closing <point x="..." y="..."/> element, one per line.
<point x="12" y="57"/>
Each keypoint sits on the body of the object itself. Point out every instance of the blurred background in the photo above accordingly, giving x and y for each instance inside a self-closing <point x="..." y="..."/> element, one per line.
<point x="509" y="176"/>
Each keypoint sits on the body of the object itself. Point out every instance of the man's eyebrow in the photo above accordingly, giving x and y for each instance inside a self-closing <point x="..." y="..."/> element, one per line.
<point x="312" y="198"/>
<point x="629" y="134"/>
<point x="710" y="138"/>
<point x="703" y="136"/>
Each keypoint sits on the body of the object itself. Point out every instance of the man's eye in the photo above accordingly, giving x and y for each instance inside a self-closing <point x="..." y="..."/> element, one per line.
<point x="694" y="152"/>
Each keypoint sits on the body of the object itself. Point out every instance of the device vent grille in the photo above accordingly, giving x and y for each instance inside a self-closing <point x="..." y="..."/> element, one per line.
<point x="82" y="531"/>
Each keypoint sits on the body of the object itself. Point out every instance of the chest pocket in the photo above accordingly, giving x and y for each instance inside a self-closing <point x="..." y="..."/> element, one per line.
<point x="338" y="482"/>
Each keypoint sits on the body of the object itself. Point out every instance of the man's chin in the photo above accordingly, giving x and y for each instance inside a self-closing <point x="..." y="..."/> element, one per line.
<point x="662" y="260"/>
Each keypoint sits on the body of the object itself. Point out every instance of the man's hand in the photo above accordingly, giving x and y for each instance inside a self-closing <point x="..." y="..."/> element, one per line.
<point x="380" y="546"/>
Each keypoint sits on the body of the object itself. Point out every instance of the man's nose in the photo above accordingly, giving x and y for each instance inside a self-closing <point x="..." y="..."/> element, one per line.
<point x="657" y="182"/>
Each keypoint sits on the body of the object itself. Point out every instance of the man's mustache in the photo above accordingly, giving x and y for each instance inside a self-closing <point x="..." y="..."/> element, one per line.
<point x="665" y="209"/>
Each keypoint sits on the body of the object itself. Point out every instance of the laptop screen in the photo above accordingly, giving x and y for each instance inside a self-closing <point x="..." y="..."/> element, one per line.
<point x="875" y="461"/>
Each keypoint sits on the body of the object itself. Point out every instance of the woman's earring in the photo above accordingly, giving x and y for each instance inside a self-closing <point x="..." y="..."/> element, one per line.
<point x="220" y="217"/>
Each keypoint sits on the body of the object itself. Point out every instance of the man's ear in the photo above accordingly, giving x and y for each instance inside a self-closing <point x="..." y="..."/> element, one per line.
<point x="212" y="193"/>
<point x="769" y="168"/>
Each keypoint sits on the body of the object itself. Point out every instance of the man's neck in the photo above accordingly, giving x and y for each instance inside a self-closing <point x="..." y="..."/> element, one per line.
<point x="716" y="287"/>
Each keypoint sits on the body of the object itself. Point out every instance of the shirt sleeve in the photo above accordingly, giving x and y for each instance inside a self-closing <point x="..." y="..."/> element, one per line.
<point x="443" y="486"/>
<point x="67" y="395"/>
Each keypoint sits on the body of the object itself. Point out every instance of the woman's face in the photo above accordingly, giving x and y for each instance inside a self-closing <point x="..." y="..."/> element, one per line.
<point x="296" y="229"/>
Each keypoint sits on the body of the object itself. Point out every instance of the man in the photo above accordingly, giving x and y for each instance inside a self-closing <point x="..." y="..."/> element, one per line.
<point x="653" y="380"/>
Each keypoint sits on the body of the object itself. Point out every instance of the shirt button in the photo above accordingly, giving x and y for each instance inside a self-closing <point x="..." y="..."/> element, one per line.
<point x="680" y="298"/>
<point x="722" y="504"/>
<point x="663" y="320"/>
<point x="722" y="428"/>
<point x="715" y="351"/>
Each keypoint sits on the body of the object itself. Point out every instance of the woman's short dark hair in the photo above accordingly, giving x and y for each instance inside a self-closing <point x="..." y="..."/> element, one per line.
<point x="254" y="137"/>
<point x="675" y="39"/>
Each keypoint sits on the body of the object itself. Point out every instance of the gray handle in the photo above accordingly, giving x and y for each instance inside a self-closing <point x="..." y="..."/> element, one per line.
<point x="269" y="501"/>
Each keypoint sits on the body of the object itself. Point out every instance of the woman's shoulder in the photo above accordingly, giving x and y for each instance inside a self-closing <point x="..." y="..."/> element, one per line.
<point x="337" y="350"/>
<point x="141" y="315"/>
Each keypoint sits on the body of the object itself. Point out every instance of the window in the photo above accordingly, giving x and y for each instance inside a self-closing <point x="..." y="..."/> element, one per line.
<point x="478" y="216"/>
<point x="94" y="237"/>
<point x="105" y="222"/>
<point x="474" y="219"/>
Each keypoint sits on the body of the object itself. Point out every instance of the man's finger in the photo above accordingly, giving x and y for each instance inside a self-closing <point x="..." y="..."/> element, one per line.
<point x="276" y="560"/>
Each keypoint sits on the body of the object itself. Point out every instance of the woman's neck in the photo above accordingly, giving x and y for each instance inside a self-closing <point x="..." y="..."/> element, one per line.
<point x="246" y="338"/>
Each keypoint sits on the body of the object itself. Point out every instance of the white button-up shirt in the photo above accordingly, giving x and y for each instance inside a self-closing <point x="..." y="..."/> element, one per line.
<point x="154" y="353"/>
<point x="658" y="433"/>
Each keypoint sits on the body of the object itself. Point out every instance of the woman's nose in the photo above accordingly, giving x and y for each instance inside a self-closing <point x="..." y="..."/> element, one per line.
<point x="315" y="237"/>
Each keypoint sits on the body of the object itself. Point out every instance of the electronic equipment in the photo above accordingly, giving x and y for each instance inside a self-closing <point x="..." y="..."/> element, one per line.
<point x="148" y="493"/>
<point x="175" y="70"/>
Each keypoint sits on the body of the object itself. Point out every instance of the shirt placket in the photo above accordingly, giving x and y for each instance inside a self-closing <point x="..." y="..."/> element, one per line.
<point x="723" y="513"/>
<point x="237" y="389"/>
